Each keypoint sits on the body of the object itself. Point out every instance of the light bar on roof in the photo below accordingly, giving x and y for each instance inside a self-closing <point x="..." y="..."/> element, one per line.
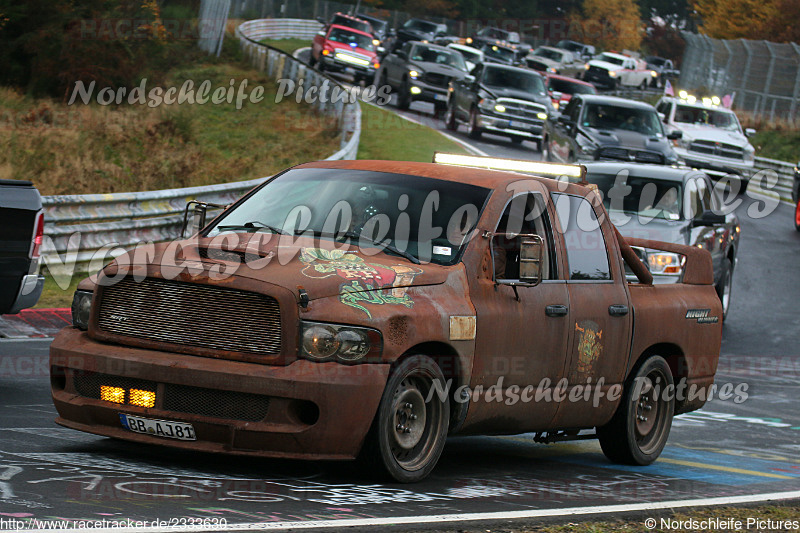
<point x="540" y="168"/>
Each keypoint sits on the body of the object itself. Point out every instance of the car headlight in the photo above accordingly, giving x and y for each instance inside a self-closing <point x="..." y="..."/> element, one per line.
<point x="541" y="116"/>
<point x="325" y="342"/>
<point x="376" y="42"/>
<point x="414" y="74"/>
<point x="654" y="73"/>
<point x="81" y="309"/>
<point x="500" y="108"/>
<point x="665" y="263"/>
<point x="612" y="73"/>
<point x="487" y="103"/>
<point x="749" y="154"/>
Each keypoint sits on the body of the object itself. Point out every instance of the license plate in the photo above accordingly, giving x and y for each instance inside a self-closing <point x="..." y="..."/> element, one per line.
<point x="440" y="97"/>
<point x="159" y="428"/>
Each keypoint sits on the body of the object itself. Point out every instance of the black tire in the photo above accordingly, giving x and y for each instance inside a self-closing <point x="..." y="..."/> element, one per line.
<point x="406" y="442"/>
<point x="643" y="85"/>
<point x="725" y="286"/>
<point x="450" y="117"/>
<point x="545" y="150"/>
<point x="639" y="429"/>
<point x="312" y="61"/>
<point x="517" y="139"/>
<point x="539" y="145"/>
<point x="404" y="96"/>
<point x="473" y="130"/>
<point x="797" y="216"/>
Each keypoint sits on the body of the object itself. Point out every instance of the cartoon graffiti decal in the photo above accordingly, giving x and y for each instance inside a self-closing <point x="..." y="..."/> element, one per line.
<point x="589" y="345"/>
<point x="365" y="283"/>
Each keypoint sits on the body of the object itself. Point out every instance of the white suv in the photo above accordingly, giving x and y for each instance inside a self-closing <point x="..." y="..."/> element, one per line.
<point x="712" y="137"/>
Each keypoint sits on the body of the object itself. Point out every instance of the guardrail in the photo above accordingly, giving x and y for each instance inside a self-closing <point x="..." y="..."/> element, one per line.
<point x="80" y="227"/>
<point x="785" y="172"/>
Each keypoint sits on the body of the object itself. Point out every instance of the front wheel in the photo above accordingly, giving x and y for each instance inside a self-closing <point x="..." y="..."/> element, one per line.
<point x="409" y="431"/>
<point x="474" y="130"/>
<point x="545" y="150"/>
<point x="725" y="286"/>
<point x="404" y="96"/>
<point x="639" y="429"/>
<point x="450" y="117"/>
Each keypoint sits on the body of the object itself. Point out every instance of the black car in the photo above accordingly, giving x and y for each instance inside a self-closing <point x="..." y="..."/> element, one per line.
<point x="505" y="54"/>
<point x="422" y="71"/>
<point x="584" y="51"/>
<point x="664" y="68"/>
<point x="379" y="26"/>
<point x="21" y="231"/>
<point x="593" y="127"/>
<point x="501" y="100"/>
<point x="669" y="204"/>
<point x="417" y="30"/>
<point x="492" y="35"/>
<point x="796" y="196"/>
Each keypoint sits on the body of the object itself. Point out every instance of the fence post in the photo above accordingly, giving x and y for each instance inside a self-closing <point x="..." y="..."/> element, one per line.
<point x="796" y="91"/>
<point x="768" y="80"/>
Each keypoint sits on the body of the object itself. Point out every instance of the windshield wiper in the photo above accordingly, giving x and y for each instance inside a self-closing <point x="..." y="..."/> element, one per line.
<point x="354" y="236"/>
<point x="254" y="226"/>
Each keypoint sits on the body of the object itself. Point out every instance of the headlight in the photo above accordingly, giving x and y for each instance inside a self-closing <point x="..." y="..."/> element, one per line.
<point x="324" y="342"/>
<point x="664" y="263"/>
<point x="541" y="116"/>
<point x="749" y="154"/>
<point x="486" y="103"/>
<point x="654" y="73"/>
<point x="612" y="73"/>
<point x="81" y="309"/>
<point x="500" y="108"/>
<point x="586" y="66"/>
<point x="376" y="42"/>
<point x="413" y="74"/>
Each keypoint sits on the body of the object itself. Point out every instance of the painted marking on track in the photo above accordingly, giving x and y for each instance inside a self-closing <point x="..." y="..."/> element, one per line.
<point x="471" y="517"/>
<point x="721" y="468"/>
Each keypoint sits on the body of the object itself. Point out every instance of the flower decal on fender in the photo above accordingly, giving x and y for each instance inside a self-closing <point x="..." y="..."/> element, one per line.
<point x="364" y="283"/>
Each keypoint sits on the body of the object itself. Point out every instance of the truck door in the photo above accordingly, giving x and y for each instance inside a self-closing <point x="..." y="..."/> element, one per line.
<point x="600" y="313"/>
<point x="521" y="335"/>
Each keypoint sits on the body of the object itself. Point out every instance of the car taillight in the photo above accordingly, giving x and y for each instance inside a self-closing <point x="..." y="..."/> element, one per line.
<point x="37" y="236"/>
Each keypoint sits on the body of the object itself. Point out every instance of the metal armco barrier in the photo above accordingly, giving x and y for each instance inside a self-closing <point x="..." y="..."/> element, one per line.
<point x="785" y="172"/>
<point x="79" y="227"/>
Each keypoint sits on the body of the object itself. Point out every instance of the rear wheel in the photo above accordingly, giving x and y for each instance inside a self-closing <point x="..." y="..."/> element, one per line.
<point x="639" y="429"/>
<point x="404" y="96"/>
<point x="408" y="434"/>
<point x="797" y="216"/>
<point x="725" y="286"/>
<point x="474" y="130"/>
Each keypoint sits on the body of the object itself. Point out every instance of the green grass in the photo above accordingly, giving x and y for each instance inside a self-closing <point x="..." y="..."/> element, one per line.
<point x="385" y="135"/>
<point x="287" y="45"/>
<point x="783" y="145"/>
<point x="54" y="296"/>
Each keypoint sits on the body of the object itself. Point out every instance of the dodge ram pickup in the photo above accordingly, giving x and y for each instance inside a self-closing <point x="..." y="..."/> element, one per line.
<point x="369" y="309"/>
<point x="21" y="230"/>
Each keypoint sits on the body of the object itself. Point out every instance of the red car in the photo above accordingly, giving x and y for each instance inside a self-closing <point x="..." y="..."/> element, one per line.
<point x="561" y="88"/>
<point x="342" y="49"/>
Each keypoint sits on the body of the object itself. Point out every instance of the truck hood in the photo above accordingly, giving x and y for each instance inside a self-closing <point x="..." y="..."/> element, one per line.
<point x="508" y="92"/>
<point x="604" y="65"/>
<point x="656" y="229"/>
<point x="315" y="266"/>
<point x="437" y="68"/>
<point x="627" y="139"/>
<point x="692" y="131"/>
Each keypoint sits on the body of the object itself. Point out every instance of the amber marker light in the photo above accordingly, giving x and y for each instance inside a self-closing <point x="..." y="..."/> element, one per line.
<point x="142" y="398"/>
<point x="112" y="394"/>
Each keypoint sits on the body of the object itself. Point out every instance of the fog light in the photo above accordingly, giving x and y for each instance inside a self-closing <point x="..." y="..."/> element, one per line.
<point x="142" y="398"/>
<point x="542" y="116"/>
<point x="500" y="108"/>
<point x="112" y="394"/>
<point x="416" y="90"/>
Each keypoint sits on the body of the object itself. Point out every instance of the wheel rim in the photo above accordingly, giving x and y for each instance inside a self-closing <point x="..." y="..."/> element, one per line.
<point x="473" y="127"/>
<point x="413" y="427"/>
<point x="797" y="214"/>
<point x="726" y="292"/>
<point x="448" y="117"/>
<point x="545" y="150"/>
<point x="651" y="414"/>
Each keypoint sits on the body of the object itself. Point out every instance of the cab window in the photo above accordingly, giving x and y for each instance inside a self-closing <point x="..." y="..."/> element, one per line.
<point x="525" y="214"/>
<point x="587" y="253"/>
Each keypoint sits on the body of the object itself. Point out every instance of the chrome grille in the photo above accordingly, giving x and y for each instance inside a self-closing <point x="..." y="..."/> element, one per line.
<point x="189" y="314"/>
<point x="719" y="149"/>
<point x="598" y="71"/>
<point x="522" y="110"/>
<point x="625" y="154"/>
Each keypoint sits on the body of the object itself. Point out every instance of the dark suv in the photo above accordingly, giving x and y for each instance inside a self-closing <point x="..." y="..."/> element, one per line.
<point x="422" y="71"/>
<point x="502" y="100"/>
<point x="593" y="127"/>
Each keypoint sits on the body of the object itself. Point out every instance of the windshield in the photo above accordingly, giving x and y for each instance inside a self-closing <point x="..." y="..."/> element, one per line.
<point x="429" y="54"/>
<point x="494" y="33"/>
<point x="549" y="54"/>
<point x="609" y="117"/>
<point x="352" y="23"/>
<point x="469" y="55"/>
<point x="377" y="24"/>
<point x="428" y="218"/>
<point x="572" y="46"/>
<point x="422" y="25"/>
<point x="498" y="52"/>
<point x="339" y="35"/>
<point x="658" y="61"/>
<point x="520" y="80"/>
<point x="611" y="59"/>
<point x="648" y="197"/>
<point x="568" y="87"/>
<point x="717" y="118"/>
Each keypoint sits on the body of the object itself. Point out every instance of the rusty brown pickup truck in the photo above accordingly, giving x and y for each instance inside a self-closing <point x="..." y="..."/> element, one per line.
<point x="369" y="309"/>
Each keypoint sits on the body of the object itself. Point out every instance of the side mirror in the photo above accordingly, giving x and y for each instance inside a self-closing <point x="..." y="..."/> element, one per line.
<point x="662" y="117"/>
<point x="564" y="119"/>
<point x="530" y="259"/>
<point x="675" y="135"/>
<point x="749" y="132"/>
<point x="194" y="216"/>
<point x="709" y="218"/>
<point x="469" y="79"/>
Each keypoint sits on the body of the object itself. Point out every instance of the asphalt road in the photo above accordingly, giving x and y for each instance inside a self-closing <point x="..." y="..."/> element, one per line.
<point x="727" y="449"/>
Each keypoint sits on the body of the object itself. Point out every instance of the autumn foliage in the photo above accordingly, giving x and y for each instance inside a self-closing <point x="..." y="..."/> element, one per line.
<point x="771" y="20"/>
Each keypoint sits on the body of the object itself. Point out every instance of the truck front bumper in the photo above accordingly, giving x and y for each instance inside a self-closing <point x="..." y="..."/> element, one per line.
<point x="304" y="410"/>
<point x="511" y="126"/>
<point x="715" y="166"/>
<point x="29" y="292"/>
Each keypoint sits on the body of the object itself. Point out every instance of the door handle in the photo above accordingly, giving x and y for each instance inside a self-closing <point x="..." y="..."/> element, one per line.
<point x="617" y="310"/>
<point x="556" y="310"/>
